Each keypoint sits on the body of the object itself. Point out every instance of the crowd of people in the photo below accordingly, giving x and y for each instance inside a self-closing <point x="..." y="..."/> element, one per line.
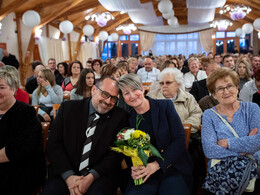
<point x="219" y="95"/>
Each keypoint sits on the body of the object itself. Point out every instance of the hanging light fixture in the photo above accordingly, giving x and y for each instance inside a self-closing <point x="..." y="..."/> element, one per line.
<point x="236" y="11"/>
<point x="100" y="18"/>
<point x="222" y="25"/>
<point x="126" y="28"/>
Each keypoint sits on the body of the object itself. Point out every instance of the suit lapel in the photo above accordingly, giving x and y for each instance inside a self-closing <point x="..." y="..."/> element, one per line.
<point x="155" y="117"/>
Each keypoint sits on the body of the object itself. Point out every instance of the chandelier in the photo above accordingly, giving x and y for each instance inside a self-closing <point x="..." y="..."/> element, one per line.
<point x="236" y="11"/>
<point x="126" y="28"/>
<point x="221" y="24"/>
<point x="100" y="18"/>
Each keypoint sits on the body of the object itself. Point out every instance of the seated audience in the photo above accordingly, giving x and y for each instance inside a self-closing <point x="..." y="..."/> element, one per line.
<point x="199" y="88"/>
<point x="256" y="98"/>
<point x="110" y="70"/>
<point x="219" y="141"/>
<point x="84" y="85"/>
<point x="132" y="65"/>
<point x="218" y="59"/>
<point x="52" y="66"/>
<point x="255" y="62"/>
<point x="148" y="73"/>
<point x="73" y="75"/>
<point x="63" y="72"/>
<point x="207" y="102"/>
<point x="20" y="94"/>
<point x="168" y="64"/>
<point x="46" y="94"/>
<point x="160" y="120"/>
<point x="96" y="67"/>
<point x="243" y="71"/>
<point x="123" y="68"/>
<point x="22" y="162"/>
<point x="31" y="82"/>
<point x="171" y="82"/>
<point x="228" y="62"/>
<point x="10" y="59"/>
<point x="194" y="74"/>
<point x="175" y="60"/>
<point x="204" y="62"/>
<point x="251" y="87"/>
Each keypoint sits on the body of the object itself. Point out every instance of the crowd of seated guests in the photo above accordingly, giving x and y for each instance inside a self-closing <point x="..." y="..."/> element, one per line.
<point x="184" y="81"/>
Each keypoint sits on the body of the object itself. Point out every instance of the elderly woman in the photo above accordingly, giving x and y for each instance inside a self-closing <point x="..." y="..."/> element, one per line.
<point x="22" y="163"/>
<point x="194" y="74"/>
<point x="219" y="140"/>
<point x="84" y="85"/>
<point x="171" y="82"/>
<point x="46" y="94"/>
<point x="160" y="120"/>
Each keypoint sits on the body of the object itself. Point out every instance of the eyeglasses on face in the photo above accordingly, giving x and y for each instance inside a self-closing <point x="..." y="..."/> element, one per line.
<point x="106" y="95"/>
<point x="166" y="83"/>
<point x="229" y="87"/>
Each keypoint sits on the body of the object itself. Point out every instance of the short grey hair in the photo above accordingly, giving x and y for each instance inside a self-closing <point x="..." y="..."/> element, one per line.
<point x="14" y="71"/>
<point x="130" y="80"/>
<point x="178" y="75"/>
<point x="11" y="79"/>
<point x="193" y="59"/>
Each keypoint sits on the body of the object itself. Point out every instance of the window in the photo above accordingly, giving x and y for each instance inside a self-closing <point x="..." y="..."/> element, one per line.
<point x="220" y="35"/>
<point x="134" y="37"/>
<point x="123" y="38"/>
<point x="231" y="34"/>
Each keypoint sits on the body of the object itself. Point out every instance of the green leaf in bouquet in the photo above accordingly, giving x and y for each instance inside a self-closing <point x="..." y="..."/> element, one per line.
<point x="143" y="156"/>
<point x="155" y="152"/>
<point x="119" y="143"/>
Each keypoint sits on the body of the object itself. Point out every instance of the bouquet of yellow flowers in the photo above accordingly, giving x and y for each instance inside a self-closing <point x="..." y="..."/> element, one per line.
<point x="135" y="144"/>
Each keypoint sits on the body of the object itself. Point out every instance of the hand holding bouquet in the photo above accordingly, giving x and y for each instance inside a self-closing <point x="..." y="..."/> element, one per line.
<point x="135" y="144"/>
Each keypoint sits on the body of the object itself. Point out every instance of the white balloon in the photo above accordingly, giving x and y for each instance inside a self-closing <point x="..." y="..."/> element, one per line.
<point x="31" y="18"/>
<point x="103" y="35"/>
<point x="239" y="32"/>
<point x="257" y="23"/>
<point x="66" y="27"/>
<point x="173" y="21"/>
<point x="168" y="15"/>
<point x="165" y="6"/>
<point x="114" y="36"/>
<point x="247" y="28"/>
<point x="88" y="30"/>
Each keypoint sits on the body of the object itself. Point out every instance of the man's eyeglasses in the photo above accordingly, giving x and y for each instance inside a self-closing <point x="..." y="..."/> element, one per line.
<point x="106" y="95"/>
<point x="166" y="83"/>
<point x="230" y="88"/>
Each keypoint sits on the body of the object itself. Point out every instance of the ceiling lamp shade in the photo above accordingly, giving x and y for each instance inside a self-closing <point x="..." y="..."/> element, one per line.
<point x="239" y="32"/>
<point x="165" y="6"/>
<point x="247" y="28"/>
<point x="114" y="36"/>
<point x="66" y="27"/>
<point x="31" y="18"/>
<point x="256" y="24"/>
<point x="173" y="22"/>
<point x="103" y="35"/>
<point x="200" y="15"/>
<point x="205" y="4"/>
<point x="88" y="30"/>
<point x="168" y="15"/>
<point x="237" y="15"/>
<point x="101" y="21"/>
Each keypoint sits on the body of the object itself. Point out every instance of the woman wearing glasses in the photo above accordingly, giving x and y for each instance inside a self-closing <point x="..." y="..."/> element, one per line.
<point x="171" y="87"/>
<point x="159" y="119"/>
<point x="219" y="141"/>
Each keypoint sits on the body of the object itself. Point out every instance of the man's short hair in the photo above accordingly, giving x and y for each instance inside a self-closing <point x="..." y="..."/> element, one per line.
<point x="226" y="56"/>
<point x="36" y="63"/>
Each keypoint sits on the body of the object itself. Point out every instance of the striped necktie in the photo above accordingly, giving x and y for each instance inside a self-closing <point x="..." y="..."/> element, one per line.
<point x="87" y="145"/>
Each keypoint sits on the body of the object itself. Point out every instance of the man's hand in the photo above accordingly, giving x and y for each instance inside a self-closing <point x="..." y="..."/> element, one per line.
<point x="46" y="117"/>
<point x="71" y="182"/>
<point x="82" y="185"/>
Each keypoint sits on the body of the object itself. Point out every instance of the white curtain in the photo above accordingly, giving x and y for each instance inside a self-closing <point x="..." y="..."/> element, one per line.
<point x="146" y="40"/>
<point x="206" y="40"/>
<point x="42" y="45"/>
<point x="205" y="4"/>
<point x="87" y="50"/>
<point x="146" y="15"/>
<point x="200" y="15"/>
<point x="121" y="5"/>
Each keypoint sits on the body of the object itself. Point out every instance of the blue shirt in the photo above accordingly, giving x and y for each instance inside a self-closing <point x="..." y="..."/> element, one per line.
<point x="244" y="120"/>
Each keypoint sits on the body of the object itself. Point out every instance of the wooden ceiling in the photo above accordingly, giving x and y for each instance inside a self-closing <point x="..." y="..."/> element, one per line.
<point x="52" y="12"/>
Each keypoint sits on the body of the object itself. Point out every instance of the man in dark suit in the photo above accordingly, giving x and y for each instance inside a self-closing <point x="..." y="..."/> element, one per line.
<point x="68" y="138"/>
<point x="199" y="88"/>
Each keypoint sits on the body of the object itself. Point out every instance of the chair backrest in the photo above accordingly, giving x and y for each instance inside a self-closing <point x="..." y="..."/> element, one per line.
<point x="187" y="129"/>
<point x="30" y="98"/>
<point x="45" y="131"/>
<point x="36" y="107"/>
<point x="66" y="97"/>
<point x="55" y="108"/>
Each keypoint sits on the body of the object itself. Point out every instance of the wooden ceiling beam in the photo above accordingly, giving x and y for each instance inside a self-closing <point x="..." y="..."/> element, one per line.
<point x="12" y="7"/>
<point x="58" y="13"/>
